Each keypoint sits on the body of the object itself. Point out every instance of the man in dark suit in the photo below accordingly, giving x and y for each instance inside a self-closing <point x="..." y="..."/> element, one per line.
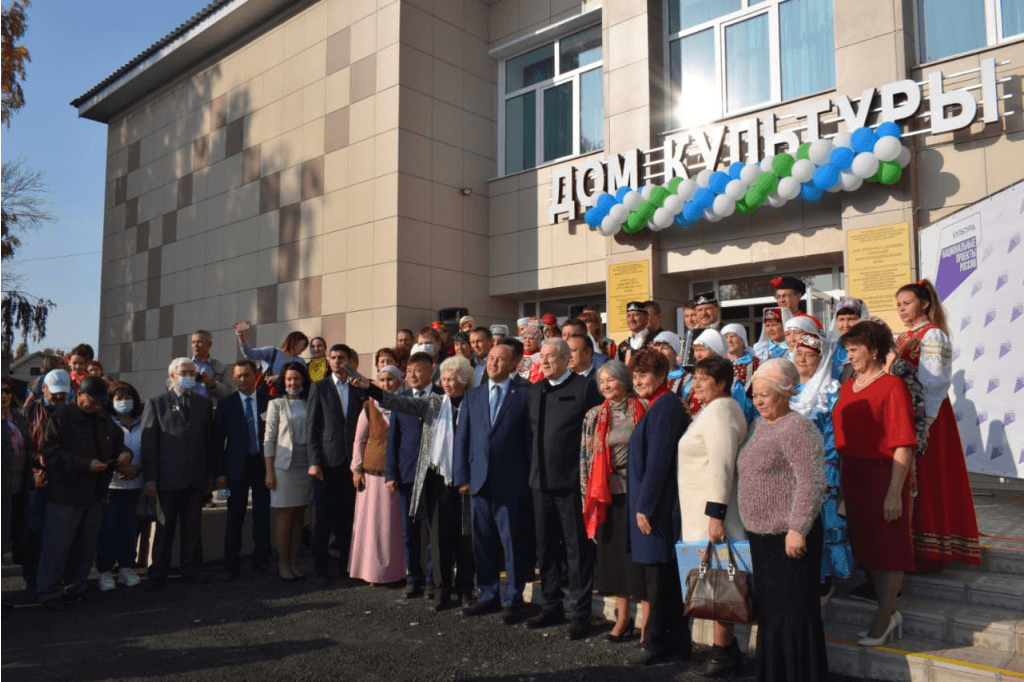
<point x="492" y="462"/>
<point x="400" y="469"/>
<point x="581" y="355"/>
<point x="332" y="413"/>
<point x="595" y="359"/>
<point x="557" y="404"/>
<point x="238" y="466"/>
<point x="177" y="431"/>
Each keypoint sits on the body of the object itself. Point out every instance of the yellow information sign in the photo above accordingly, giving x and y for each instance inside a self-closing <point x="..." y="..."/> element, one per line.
<point x="626" y="282"/>
<point x="878" y="263"/>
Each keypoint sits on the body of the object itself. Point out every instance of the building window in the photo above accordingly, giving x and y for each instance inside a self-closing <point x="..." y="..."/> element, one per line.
<point x="554" y="102"/>
<point x="950" y="27"/>
<point x="729" y="56"/>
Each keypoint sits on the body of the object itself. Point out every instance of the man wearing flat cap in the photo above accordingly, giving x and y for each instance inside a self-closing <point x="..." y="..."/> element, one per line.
<point x="708" y="314"/>
<point x="788" y="292"/>
<point x="639" y="335"/>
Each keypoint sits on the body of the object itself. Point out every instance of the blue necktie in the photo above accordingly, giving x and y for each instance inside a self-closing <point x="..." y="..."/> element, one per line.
<point x="254" y="445"/>
<point x="495" y="401"/>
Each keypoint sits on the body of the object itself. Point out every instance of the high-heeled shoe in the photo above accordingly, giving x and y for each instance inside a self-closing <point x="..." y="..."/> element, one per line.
<point x="626" y="632"/>
<point x="894" y="631"/>
<point x="898" y="617"/>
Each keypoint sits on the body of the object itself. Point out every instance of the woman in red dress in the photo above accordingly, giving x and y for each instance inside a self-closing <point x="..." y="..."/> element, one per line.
<point x="945" y="527"/>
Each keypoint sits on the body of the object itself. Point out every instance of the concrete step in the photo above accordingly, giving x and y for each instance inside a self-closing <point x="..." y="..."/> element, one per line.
<point x="1003" y="590"/>
<point x="998" y="556"/>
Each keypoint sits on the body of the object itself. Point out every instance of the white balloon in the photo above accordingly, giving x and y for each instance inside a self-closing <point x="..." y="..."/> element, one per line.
<point x="803" y="170"/>
<point x="723" y="206"/>
<point x="749" y="174"/>
<point x="609" y="226"/>
<point x="735" y="190"/>
<point x="864" y="165"/>
<point x="686" y="189"/>
<point x="904" y="157"/>
<point x="711" y="217"/>
<point x="632" y="200"/>
<point x="842" y="139"/>
<point x="888" y="148"/>
<point x="766" y="162"/>
<point x="645" y="192"/>
<point x="663" y="217"/>
<point x="819" y="152"/>
<point x="775" y="200"/>
<point x="789" y="188"/>
<point x="673" y="203"/>
<point x="618" y="213"/>
<point x="849" y="182"/>
<point x="704" y="177"/>
<point x="835" y="188"/>
<point x="651" y="226"/>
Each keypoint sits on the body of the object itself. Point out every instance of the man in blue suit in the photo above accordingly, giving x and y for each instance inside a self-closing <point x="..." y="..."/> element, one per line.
<point x="403" y="450"/>
<point x="482" y="340"/>
<point x="577" y="327"/>
<point x="492" y="462"/>
<point x="238" y="466"/>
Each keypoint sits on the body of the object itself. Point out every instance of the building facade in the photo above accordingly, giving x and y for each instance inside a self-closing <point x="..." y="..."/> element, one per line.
<point x="349" y="167"/>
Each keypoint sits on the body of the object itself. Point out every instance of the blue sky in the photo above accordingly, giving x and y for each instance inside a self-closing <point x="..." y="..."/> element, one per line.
<point x="74" y="46"/>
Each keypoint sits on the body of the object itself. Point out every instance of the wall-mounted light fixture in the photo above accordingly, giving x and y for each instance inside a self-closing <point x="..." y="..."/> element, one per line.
<point x="466" y="191"/>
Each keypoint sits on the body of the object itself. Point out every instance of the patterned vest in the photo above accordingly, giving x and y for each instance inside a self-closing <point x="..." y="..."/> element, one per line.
<point x="377" y="443"/>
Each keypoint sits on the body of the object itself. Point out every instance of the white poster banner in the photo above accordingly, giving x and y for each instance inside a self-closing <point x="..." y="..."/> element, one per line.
<point x="974" y="257"/>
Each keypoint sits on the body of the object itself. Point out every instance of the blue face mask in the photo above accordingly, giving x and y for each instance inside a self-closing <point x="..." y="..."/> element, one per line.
<point x="124" y="406"/>
<point x="186" y="383"/>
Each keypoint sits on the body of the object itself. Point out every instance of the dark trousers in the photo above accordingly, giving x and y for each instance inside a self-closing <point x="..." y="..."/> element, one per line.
<point x="68" y="549"/>
<point x="35" y="519"/>
<point x="496" y="526"/>
<point x="412" y="538"/>
<point x="448" y="546"/>
<point x="116" y="543"/>
<point x="253" y="479"/>
<point x="335" y="507"/>
<point x="661" y="585"/>
<point x="563" y="510"/>
<point x="184" y="507"/>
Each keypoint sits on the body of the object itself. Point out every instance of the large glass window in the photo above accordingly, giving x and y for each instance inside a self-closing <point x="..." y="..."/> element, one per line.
<point x="554" y="102"/>
<point x="727" y="56"/>
<point x="950" y="27"/>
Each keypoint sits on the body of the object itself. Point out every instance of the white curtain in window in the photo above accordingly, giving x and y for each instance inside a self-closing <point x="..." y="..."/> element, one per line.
<point x="1013" y="17"/>
<point x="948" y="27"/>
<point x="748" y="71"/>
<point x="807" y="45"/>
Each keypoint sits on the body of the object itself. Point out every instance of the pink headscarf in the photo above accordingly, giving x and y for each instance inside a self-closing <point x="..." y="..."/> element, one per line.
<point x="781" y="374"/>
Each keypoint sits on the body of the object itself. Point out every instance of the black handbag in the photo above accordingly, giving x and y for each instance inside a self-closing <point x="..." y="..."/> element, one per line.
<point x="147" y="510"/>
<point x="722" y="594"/>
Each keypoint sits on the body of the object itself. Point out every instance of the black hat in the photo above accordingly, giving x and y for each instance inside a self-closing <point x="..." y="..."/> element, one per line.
<point x="788" y="282"/>
<point x="636" y="307"/>
<point x="94" y="387"/>
<point x="706" y="298"/>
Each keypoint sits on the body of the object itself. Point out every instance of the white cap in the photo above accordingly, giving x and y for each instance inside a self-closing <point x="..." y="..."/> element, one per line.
<point x="669" y="338"/>
<point x="522" y="321"/>
<point x="427" y="348"/>
<point x="713" y="341"/>
<point x="58" y="381"/>
<point x="803" y="323"/>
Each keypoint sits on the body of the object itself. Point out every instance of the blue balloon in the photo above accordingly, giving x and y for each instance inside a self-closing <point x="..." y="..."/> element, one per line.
<point x="593" y="216"/>
<point x="735" y="170"/>
<point x="863" y="140"/>
<point x="704" y="198"/>
<point x="680" y="220"/>
<point x="621" y="193"/>
<point x="841" y="158"/>
<point x="826" y="176"/>
<point x="605" y="202"/>
<point x="718" y="182"/>
<point x="692" y="211"/>
<point x="810" y="193"/>
<point x="889" y="129"/>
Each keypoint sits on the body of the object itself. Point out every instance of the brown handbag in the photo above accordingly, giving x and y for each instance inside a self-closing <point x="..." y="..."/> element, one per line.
<point x="722" y="594"/>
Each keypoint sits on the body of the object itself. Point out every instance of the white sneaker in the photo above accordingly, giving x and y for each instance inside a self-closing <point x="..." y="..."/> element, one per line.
<point x="107" y="582"/>
<point x="126" y="576"/>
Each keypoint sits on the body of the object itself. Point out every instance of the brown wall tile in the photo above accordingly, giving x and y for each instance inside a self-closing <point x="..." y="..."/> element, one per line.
<point x="134" y="155"/>
<point x="131" y="213"/>
<point x="313" y="178"/>
<point x="289" y="224"/>
<point x="185" y="191"/>
<point x="120" y="190"/>
<point x="138" y="331"/>
<point x="200" y="152"/>
<point x="142" y="237"/>
<point x="334" y="328"/>
<point x="234" y="137"/>
<point x="266" y="305"/>
<point x="251" y="159"/>
<point x="338" y="50"/>
<point x="252" y="336"/>
<point x="336" y="130"/>
<point x="363" y="78"/>
<point x="152" y="293"/>
<point x="170" y="223"/>
<point x="219" y="112"/>
<point x="166" y="321"/>
<point x="154" y="266"/>
<point x="270" y="193"/>
<point x="180" y="346"/>
<point x="310" y="296"/>
<point x="126" y="357"/>
<point x="288" y="262"/>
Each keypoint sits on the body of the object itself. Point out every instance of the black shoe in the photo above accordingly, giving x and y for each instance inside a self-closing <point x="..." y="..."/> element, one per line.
<point x="154" y="584"/>
<point x="55" y="605"/>
<point x="412" y="590"/>
<point x="644" y="656"/>
<point x="721" y="662"/>
<point x="510" y="615"/>
<point x="229" y="577"/>
<point x="428" y="591"/>
<point x="578" y="628"/>
<point x="627" y="632"/>
<point x="443" y="602"/>
<point x="321" y="578"/>
<point x="84" y="595"/>
<point x="544" y="620"/>
<point x="480" y="608"/>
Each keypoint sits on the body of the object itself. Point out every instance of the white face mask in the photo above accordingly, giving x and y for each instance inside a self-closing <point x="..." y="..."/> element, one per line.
<point x="295" y="392"/>
<point x="186" y="383"/>
<point x="124" y="406"/>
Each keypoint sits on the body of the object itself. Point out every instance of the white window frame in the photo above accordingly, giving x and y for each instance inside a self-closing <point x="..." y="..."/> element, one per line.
<point x="993" y="31"/>
<point x="540" y="88"/>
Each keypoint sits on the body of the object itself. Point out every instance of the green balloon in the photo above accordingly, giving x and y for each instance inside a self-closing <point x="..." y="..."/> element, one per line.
<point x="742" y="208"/>
<point x="755" y="197"/>
<point x="877" y="176"/>
<point x="801" y="152"/>
<point x="658" y="195"/>
<point x="782" y="165"/>
<point x="640" y="216"/>
<point x="673" y="185"/>
<point x="889" y="172"/>
<point x="767" y="181"/>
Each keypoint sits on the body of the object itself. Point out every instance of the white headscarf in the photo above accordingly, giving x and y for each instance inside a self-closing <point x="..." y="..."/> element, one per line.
<point x="740" y="331"/>
<point x="713" y="341"/>
<point x="787" y="314"/>
<point x="814" y="396"/>
<point x="803" y="323"/>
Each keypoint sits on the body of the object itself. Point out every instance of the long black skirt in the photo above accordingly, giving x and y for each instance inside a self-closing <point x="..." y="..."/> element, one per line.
<point x="616" y="573"/>
<point x="790" y="635"/>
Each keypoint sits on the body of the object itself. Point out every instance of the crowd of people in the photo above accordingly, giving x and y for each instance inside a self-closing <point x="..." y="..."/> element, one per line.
<point x="550" y="452"/>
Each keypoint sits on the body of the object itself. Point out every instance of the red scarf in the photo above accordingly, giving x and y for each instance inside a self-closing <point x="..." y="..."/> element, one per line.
<point x="599" y="494"/>
<point x="660" y="391"/>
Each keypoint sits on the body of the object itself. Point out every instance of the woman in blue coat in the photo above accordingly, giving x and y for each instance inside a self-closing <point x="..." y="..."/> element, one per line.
<point x="653" y="503"/>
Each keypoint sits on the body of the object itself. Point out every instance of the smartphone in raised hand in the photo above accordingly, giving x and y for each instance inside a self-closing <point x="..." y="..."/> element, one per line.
<point x="241" y="326"/>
